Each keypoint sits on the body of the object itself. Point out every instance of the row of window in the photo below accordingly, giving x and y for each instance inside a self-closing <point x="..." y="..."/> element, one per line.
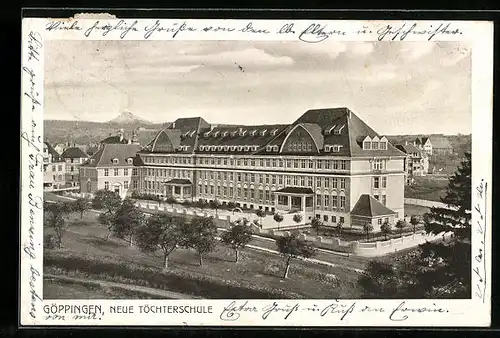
<point x="252" y="162"/>
<point x="324" y="200"/>
<point x="125" y="185"/>
<point x="371" y="145"/>
<point x="170" y="173"/>
<point x="379" y="182"/>
<point x="333" y="218"/>
<point x="265" y="196"/>
<point x="240" y="132"/>
<point x="117" y="171"/>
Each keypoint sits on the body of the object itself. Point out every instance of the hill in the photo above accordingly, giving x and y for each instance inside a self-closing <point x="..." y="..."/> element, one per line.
<point x="85" y="132"/>
<point x="128" y="118"/>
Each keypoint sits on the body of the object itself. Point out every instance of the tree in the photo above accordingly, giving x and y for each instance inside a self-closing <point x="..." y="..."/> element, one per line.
<point x="401" y="224"/>
<point x="107" y="218"/>
<point x="297" y="218"/>
<point x="340" y="226"/>
<point x="202" y="204"/>
<point x="316" y="224"/>
<point x="379" y="280"/>
<point x="161" y="231"/>
<point x="238" y="236"/>
<point x="386" y="229"/>
<point x="54" y="218"/>
<point x="415" y="220"/>
<point x="367" y="228"/>
<point x="128" y="218"/>
<point x="260" y="213"/>
<point x="81" y="205"/>
<point x="231" y="205"/>
<point x="200" y="235"/>
<point x="291" y="246"/>
<point x="106" y="200"/>
<point x="278" y="219"/>
<point x="215" y="204"/>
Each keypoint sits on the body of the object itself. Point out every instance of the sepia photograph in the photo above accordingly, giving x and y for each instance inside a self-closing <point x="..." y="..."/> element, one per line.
<point x="257" y="169"/>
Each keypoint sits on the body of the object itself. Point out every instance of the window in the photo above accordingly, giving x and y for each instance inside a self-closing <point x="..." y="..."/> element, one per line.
<point x="374" y="145"/>
<point x="134" y="184"/>
<point x="302" y="181"/>
<point x="115" y="161"/>
<point x="116" y="172"/>
<point x="125" y="172"/>
<point x="106" y="185"/>
<point x="106" y="172"/>
<point x="342" y="183"/>
<point x="378" y="164"/>
<point x="342" y="202"/>
<point x="318" y="201"/>
<point x="343" y="164"/>
<point x="366" y="145"/>
<point x="311" y="164"/>
<point x="130" y="160"/>
<point x="342" y="219"/>
<point x="376" y="182"/>
<point x="327" y="201"/>
<point x="335" y="203"/>
<point x="125" y="184"/>
<point x="383" y="145"/>
<point x="318" y="216"/>
<point x="334" y="219"/>
<point x="379" y="221"/>
<point x="376" y="197"/>
<point x="384" y="182"/>
<point x="325" y="218"/>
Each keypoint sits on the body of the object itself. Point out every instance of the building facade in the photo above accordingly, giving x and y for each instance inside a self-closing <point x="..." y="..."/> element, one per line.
<point x="320" y="165"/>
<point x="113" y="167"/>
<point x="54" y="169"/>
<point x="74" y="157"/>
<point x="441" y="145"/>
<point x="425" y="144"/>
<point x="416" y="162"/>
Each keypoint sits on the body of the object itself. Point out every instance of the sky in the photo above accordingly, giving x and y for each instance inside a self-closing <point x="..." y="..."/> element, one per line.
<point x="395" y="87"/>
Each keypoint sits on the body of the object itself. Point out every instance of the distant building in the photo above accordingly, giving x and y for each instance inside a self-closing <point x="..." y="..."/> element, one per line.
<point x="119" y="138"/>
<point x="416" y="161"/>
<point x="425" y="144"/>
<point x="74" y="158"/>
<point x="441" y="145"/>
<point x="112" y="167"/>
<point x="54" y="169"/>
<point x="60" y="147"/>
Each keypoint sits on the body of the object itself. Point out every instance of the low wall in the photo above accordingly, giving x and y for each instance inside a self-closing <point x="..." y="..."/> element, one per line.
<point x="425" y="203"/>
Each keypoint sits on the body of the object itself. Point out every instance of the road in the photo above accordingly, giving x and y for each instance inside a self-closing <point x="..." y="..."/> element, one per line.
<point x="337" y="259"/>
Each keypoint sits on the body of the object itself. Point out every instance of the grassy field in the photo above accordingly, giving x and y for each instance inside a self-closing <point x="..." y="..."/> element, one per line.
<point x="427" y="188"/>
<point x="86" y="253"/>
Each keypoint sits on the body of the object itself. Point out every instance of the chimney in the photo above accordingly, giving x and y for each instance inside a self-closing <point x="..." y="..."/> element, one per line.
<point x="120" y="134"/>
<point x="173" y="125"/>
<point x="406" y="143"/>
<point x="135" y="140"/>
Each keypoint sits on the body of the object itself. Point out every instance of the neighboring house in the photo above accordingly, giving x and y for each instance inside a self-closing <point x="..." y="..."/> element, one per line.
<point x="54" y="169"/>
<point x="321" y="165"/>
<point x="60" y="147"/>
<point x="425" y="144"/>
<point x="74" y="158"/>
<point x="416" y="161"/>
<point x="112" y="167"/>
<point x="441" y="145"/>
<point x="370" y="210"/>
<point x="116" y="139"/>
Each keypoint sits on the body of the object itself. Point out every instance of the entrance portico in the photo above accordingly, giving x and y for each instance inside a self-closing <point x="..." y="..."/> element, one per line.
<point x="179" y="188"/>
<point x="294" y="199"/>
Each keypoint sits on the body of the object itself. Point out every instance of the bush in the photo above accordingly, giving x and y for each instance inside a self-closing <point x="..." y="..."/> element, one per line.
<point x="49" y="242"/>
<point x="149" y="197"/>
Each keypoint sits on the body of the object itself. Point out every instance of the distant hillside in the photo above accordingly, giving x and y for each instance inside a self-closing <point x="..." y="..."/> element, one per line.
<point x="460" y="143"/>
<point x="85" y="132"/>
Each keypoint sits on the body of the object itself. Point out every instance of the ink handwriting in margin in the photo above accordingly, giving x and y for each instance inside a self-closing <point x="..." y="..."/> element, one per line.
<point x="390" y="32"/>
<point x="35" y="158"/>
<point x="479" y="255"/>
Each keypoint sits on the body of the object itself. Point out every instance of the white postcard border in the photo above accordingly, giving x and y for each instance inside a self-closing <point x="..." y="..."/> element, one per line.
<point x="36" y="311"/>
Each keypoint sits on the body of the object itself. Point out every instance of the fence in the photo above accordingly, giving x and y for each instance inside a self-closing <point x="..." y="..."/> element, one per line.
<point x="425" y="203"/>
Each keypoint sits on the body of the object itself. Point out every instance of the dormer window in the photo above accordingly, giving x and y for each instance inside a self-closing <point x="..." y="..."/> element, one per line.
<point x="327" y="148"/>
<point x="233" y="148"/>
<point x="275" y="148"/>
<point x="255" y="148"/>
<point x="233" y="134"/>
<point x="273" y="132"/>
<point x="130" y="160"/>
<point x="201" y="148"/>
<point x="367" y="143"/>
<point x="383" y="143"/>
<point x="92" y="160"/>
<point x="328" y="130"/>
<point x="263" y="132"/>
<point x="338" y="131"/>
<point x="247" y="148"/>
<point x="336" y="148"/>
<point x="253" y="133"/>
<point x="219" y="148"/>
<point x="216" y="133"/>
<point x="243" y="132"/>
<point x="240" y="148"/>
<point x="269" y="148"/>
<point x="115" y="161"/>
<point x="191" y="134"/>
<point x="213" y="148"/>
<point x="226" y="148"/>
<point x="224" y="134"/>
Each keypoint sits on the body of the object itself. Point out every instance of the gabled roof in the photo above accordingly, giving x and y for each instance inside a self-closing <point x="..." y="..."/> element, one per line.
<point x="105" y="155"/>
<point x="56" y="157"/>
<point x="166" y="140"/>
<point x="74" y="152"/>
<point x="114" y="140"/>
<point x="411" y="149"/>
<point x="368" y="206"/>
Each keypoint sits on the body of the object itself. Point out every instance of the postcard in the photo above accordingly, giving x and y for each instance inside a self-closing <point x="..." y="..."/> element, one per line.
<point x="273" y="173"/>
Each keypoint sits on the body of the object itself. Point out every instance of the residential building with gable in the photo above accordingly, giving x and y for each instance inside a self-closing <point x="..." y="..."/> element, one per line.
<point x="441" y="145"/>
<point x="424" y="143"/>
<point x="320" y="165"/>
<point x="112" y="167"/>
<point x="54" y="169"/>
<point x="416" y="162"/>
<point x="74" y="158"/>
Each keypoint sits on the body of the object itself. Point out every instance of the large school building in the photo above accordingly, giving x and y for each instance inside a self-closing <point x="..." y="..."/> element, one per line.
<point x="327" y="164"/>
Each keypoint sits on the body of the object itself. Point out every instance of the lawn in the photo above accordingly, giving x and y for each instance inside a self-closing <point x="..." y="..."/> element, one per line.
<point x="57" y="289"/>
<point x="258" y="274"/>
<point x="427" y="188"/>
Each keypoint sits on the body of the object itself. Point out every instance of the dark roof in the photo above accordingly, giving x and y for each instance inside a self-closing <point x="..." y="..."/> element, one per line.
<point x="144" y="136"/>
<point x="115" y="140"/>
<point x="296" y="190"/>
<point x="56" y="157"/>
<point x="105" y="155"/>
<point x="410" y="149"/>
<point x="369" y="207"/>
<point x="178" y="181"/>
<point x="74" y="152"/>
<point x="167" y="140"/>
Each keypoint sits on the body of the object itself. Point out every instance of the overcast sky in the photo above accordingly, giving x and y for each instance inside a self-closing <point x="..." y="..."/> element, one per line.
<point x="397" y="88"/>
